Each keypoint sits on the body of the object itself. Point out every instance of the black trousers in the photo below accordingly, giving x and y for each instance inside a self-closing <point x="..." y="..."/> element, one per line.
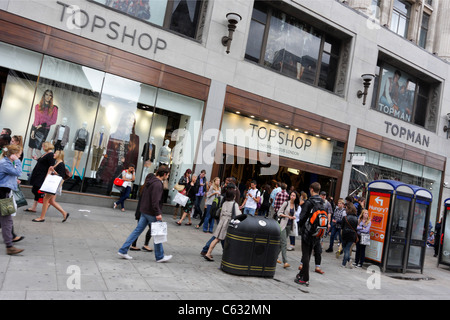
<point x="308" y="244"/>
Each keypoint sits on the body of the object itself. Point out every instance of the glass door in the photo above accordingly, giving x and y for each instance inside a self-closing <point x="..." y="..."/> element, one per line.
<point x="419" y="235"/>
<point x="398" y="232"/>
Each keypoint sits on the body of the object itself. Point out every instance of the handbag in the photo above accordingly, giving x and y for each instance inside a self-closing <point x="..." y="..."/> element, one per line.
<point x="179" y="187"/>
<point x="19" y="198"/>
<point x="118" y="182"/>
<point x="7" y="207"/>
<point x="51" y="184"/>
<point x="365" y="239"/>
<point x="159" y="232"/>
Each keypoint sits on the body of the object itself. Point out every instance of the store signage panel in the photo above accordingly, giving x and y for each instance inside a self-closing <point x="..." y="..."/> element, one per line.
<point x="264" y="137"/>
<point x="378" y="215"/>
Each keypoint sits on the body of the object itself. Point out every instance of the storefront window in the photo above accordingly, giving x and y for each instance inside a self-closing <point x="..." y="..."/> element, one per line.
<point x="104" y="123"/>
<point x="380" y="166"/>
<point x="404" y="96"/>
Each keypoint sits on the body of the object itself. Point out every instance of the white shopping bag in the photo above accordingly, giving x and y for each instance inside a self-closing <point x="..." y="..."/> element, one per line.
<point x="51" y="184"/>
<point x="180" y="199"/>
<point x="159" y="232"/>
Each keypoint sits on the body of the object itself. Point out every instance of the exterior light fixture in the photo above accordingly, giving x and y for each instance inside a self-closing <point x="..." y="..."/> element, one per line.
<point x="367" y="78"/>
<point x="233" y="19"/>
<point x="447" y="127"/>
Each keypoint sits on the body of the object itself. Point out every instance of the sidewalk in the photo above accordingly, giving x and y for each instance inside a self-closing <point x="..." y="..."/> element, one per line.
<point x="83" y="251"/>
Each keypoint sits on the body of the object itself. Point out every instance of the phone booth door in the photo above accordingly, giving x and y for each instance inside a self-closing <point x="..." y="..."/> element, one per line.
<point x="398" y="232"/>
<point x="419" y="235"/>
<point x="444" y="254"/>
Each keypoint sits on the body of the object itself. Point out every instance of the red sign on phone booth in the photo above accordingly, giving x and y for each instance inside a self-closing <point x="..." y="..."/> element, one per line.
<point x="378" y="214"/>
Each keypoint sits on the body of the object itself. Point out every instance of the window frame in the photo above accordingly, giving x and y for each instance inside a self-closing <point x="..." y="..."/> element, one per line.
<point x="323" y="37"/>
<point x="167" y="18"/>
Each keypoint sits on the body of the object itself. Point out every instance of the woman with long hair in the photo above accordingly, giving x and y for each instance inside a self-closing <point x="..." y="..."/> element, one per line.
<point x="10" y="169"/>
<point x="288" y="213"/>
<point x="213" y="192"/>
<point x="50" y="199"/>
<point x="364" y="225"/>
<point x="45" y="115"/>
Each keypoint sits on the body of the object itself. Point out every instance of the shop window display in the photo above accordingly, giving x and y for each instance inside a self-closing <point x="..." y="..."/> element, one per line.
<point x="102" y="122"/>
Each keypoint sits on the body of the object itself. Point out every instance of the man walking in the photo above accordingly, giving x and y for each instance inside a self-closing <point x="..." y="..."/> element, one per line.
<point x="151" y="212"/>
<point x="308" y="241"/>
<point x="251" y="201"/>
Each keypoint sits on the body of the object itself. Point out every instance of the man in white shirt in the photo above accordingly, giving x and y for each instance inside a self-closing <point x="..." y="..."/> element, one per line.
<point x="251" y="200"/>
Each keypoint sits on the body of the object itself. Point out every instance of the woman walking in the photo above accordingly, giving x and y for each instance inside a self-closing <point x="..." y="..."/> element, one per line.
<point x="213" y="192"/>
<point x="184" y="181"/>
<point x="40" y="172"/>
<point x="288" y="213"/>
<point x="226" y="214"/>
<point x="349" y="236"/>
<point x="10" y="169"/>
<point x="128" y="177"/>
<point x="50" y="199"/>
<point x="191" y="191"/>
<point x="364" y="225"/>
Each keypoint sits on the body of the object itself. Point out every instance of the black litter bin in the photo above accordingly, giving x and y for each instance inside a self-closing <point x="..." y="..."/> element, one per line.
<point x="251" y="247"/>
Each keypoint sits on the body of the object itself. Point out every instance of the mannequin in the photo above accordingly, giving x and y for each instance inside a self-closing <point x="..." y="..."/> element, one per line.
<point x="61" y="135"/>
<point x="79" y="145"/>
<point x="165" y="154"/>
<point x="99" y="143"/>
<point x="148" y="156"/>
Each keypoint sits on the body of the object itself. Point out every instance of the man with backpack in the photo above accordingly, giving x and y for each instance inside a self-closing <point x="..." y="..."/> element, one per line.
<point x="311" y="229"/>
<point x="252" y="199"/>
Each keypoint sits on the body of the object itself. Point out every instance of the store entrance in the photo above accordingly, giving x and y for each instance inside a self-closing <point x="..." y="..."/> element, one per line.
<point x="299" y="180"/>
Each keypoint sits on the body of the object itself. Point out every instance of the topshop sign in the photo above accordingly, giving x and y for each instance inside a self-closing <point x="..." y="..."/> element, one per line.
<point x="76" y="19"/>
<point x="264" y="137"/>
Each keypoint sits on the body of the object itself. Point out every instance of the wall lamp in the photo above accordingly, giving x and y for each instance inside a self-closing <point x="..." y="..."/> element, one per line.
<point x="447" y="127"/>
<point x="233" y="19"/>
<point x="367" y="78"/>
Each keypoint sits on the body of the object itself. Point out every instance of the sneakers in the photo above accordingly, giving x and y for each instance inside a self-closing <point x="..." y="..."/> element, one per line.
<point x="125" y="256"/>
<point x="166" y="258"/>
<point x="300" y="281"/>
<point x="13" y="250"/>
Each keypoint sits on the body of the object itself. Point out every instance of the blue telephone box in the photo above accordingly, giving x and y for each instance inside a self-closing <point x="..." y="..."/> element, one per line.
<point x="399" y="216"/>
<point x="444" y="250"/>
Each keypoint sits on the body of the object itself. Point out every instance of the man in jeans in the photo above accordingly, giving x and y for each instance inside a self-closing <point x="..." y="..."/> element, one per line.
<point x="201" y="183"/>
<point x="308" y="241"/>
<point x="251" y="201"/>
<point x="151" y="212"/>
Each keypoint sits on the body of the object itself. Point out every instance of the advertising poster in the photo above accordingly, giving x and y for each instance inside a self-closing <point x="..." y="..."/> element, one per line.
<point x="378" y="214"/>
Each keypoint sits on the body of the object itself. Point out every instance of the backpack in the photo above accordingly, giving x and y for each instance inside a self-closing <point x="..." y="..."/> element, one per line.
<point x="317" y="223"/>
<point x="216" y="207"/>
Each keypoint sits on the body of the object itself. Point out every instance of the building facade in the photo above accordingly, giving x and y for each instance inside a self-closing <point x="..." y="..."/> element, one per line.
<point x="150" y="82"/>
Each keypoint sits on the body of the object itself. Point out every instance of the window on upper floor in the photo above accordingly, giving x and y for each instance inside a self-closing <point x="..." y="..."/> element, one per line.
<point x="424" y="30"/>
<point x="401" y="15"/>
<point x="181" y="16"/>
<point x="407" y="95"/>
<point x="293" y="47"/>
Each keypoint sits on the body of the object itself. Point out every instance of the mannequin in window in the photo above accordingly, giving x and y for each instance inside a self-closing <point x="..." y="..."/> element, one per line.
<point x="122" y="150"/>
<point x="61" y="135"/>
<point x="80" y="143"/>
<point x="148" y="157"/>
<point x="45" y="115"/>
<point x="165" y="154"/>
<point x="99" y="142"/>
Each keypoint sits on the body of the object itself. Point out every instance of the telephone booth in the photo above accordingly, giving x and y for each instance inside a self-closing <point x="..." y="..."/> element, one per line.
<point x="444" y="250"/>
<point x="399" y="216"/>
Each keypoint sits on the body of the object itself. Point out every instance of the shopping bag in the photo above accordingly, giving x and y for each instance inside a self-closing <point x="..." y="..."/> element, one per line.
<point x="180" y="199"/>
<point x="51" y="184"/>
<point x="365" y="239"/>
<point x="159" y="232"/>
<point x="19" y="198"/>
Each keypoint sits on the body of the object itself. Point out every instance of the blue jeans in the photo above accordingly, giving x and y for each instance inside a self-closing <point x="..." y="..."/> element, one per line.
<point x="334" y="230"/>
<point x="144" y="221"/>
<point x="197" y="210"/>
<point x="249" y="211"/>
<point x="206" y="247"/>
<point x="124" y="196"/>
<point x="208" y="223"/>
<point x="346" y="246"/>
